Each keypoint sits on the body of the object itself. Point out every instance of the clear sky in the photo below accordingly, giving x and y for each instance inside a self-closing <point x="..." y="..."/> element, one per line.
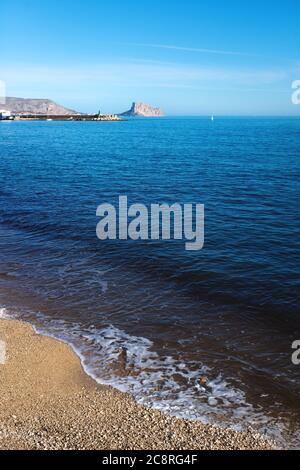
<point x="189" y="57"/>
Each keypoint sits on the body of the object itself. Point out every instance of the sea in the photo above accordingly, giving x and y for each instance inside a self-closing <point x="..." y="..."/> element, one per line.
<point x="205" y="335"/>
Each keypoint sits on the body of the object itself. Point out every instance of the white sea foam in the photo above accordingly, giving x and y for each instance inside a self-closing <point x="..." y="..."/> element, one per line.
<point x="129" y="363"/>
<point x="4" y="314"/>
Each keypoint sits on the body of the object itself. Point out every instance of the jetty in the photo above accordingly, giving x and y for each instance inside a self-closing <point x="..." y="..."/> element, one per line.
<point x="67" y="117"/>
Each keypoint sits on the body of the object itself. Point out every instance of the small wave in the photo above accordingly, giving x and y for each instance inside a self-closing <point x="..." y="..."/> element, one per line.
<point x="129" y="363"/>
<point x="4" y="314"/>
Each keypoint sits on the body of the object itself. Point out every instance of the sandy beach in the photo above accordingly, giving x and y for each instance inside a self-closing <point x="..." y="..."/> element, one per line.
<point x="48" y="402"/>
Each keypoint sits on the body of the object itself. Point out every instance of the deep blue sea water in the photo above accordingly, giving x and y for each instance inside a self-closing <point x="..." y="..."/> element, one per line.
<point x="149" y="317"/>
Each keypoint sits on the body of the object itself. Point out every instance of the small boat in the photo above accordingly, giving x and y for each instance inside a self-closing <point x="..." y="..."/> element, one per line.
<point x="49" y="119"/>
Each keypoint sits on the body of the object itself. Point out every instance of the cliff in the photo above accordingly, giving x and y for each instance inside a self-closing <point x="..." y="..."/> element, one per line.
<point x="35" y="106"/>
<point x="141" y="109"/>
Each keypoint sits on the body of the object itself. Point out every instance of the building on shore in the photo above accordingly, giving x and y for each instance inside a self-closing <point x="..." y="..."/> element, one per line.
<point x="5" y="115"/>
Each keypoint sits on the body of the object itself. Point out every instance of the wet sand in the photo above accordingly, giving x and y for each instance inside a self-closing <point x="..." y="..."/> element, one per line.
<point x="48" y="402"/>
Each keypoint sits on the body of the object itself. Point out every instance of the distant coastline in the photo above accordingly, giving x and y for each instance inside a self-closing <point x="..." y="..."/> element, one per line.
<point x="45" y="109"/>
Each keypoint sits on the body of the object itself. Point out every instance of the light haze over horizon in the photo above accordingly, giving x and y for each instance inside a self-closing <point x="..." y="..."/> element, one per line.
<point x="189" y="58"/>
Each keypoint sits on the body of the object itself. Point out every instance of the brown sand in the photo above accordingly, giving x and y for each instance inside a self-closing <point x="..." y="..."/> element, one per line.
<point x="48" y="402"/>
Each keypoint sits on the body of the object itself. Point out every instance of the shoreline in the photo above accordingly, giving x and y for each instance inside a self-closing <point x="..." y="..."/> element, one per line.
<point x="63" y="117"/>
<point x="49" y="402"/>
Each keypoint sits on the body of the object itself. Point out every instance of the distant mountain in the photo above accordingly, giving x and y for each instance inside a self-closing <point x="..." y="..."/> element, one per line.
<point x="141" y="109"/>
<point x="35" y="106"/>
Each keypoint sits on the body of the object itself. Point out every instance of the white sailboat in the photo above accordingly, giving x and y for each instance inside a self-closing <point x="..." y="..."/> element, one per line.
<point x="212" y="118"/>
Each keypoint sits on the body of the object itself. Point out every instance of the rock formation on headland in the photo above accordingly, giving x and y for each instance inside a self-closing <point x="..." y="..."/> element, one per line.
<point x="144" y="110"/>
<point x="35" y="106"/>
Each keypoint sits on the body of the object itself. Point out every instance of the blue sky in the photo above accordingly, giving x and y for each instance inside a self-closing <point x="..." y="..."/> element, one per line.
<point x="189" y="57"/>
